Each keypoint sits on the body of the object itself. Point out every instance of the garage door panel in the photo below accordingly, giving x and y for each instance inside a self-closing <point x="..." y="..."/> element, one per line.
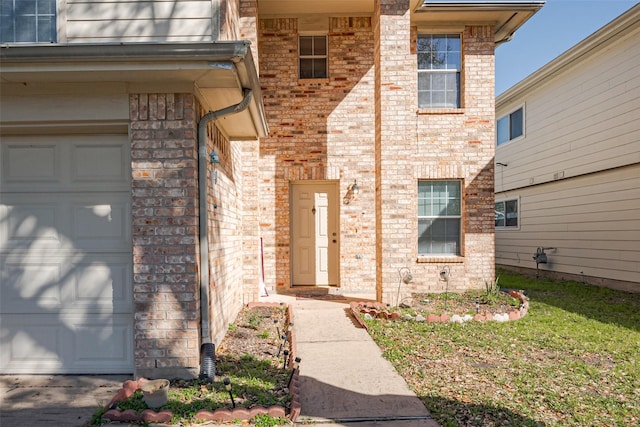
<point x="35" y="162"/>
<point x="83" y="283"/>
<point x="65" y="163"/>
<point x="35" y="339"/>
<point x="100" y="223"/>
<point x="98" y="342"/>
<point x="30" y="223"/>
<point x="99" y="163"/>
<point x="66" y="344"/>
<point x="106" y="285"/>
<point x="66" y="222"/>
<point x="26" y="287"/>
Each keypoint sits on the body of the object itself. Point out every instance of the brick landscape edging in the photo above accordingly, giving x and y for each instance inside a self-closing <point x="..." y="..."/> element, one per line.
<point x="129" y="387"/>
<point x="378" y="310"/>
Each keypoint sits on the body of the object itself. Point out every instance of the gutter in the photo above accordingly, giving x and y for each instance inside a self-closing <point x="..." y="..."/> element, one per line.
<point x="137" y="57"/>
<point x="110" y="52"/>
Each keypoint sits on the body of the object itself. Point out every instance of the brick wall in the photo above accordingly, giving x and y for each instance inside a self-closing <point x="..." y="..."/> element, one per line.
<point x="396" y="104"/>
<point x="164" y="233"/>
<point x="465" y="142"/>
<point x="362" y="123"/>
<point x="320" y="129"/>
<point x="226" y="232"/>
<point x="249" y="26"/>
<point x="431" y="144"/>
<point x="166" y="229"/>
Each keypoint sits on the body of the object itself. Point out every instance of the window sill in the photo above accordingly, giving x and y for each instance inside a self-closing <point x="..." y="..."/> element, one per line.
<point x="435" y="111"/>
<point x="439" y="259"/>
<point x="313" y="82"/>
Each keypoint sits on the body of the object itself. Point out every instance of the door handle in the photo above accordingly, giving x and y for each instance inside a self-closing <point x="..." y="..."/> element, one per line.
<point x="334" y="240"/>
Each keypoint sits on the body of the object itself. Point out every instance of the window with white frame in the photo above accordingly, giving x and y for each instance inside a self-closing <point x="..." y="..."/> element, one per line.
<point x="27" y="21"/>
<point x="439" y="217"/>
<point x="439" y="67"/>
<point x="510" y="126"/>
<point x="506" y="213"/>
<point x="313" y="57"/>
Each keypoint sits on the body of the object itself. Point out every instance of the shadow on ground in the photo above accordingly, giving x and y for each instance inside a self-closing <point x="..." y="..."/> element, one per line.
<point x="321" y="401"/>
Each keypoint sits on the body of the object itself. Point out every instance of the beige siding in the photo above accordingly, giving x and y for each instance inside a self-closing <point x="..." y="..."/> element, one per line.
<point x="583" y="120"/>
<point x="138" y="21"/>
<point x="42" y="103"/>
<point x="592" y="220"/>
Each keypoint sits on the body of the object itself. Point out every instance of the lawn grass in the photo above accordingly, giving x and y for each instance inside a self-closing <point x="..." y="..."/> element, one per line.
<point x="572" y="361"/>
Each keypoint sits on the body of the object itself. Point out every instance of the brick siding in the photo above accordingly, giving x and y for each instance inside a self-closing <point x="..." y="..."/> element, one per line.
<point x="166" y="228"/>
<point x="164" y="233"/>
<point x="320" y="129"/>
<point x="362" y="123"/>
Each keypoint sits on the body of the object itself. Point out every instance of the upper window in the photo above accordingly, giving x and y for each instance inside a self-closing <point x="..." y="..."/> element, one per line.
<point x="439" y="66"/>
<point x="313" y="57"/>
<point x="27" y="21"/>
<point x="439" y="217"/>
<point x="506" y="214"/>
<point x="511" y="126"/>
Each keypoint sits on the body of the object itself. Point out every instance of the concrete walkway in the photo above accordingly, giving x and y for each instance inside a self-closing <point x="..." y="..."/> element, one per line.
<point x="344" y="380"/>
<point x="54" y="400"/>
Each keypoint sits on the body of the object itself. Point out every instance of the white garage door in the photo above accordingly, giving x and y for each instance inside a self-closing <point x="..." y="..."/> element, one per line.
<point x="65" y="255"/>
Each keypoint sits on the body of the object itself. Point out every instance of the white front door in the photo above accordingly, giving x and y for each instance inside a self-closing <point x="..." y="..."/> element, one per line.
<point x="315" y="233"/>
<point x="65" y="255"/>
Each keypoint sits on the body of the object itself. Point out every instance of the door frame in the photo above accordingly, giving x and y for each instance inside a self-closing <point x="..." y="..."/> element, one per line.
<point x="334" y="212"/>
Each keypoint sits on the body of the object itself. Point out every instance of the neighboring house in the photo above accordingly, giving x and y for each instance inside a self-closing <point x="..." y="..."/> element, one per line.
<point x="568" y="162"/>
<point x="152" y="178"/>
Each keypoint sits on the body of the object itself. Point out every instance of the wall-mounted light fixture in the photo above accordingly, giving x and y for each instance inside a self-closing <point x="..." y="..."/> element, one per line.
<point x="354" y="187"/>
<point x="352" y="191"/>
<point x="214" y="159"/>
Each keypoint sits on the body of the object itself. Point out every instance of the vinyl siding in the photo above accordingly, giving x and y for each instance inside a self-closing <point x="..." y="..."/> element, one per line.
<point x="592" y="220"/>
<point x="576" y="169"/>
<point x="92" y="21"/>
<point x="581" y="121"/>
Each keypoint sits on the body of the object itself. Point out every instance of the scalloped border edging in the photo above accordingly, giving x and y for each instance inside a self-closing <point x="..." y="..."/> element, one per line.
<point x="378" y="310"/>
<point x="222" y="414"/>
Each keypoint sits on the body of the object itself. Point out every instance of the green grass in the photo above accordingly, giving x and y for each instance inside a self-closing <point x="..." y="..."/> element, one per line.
<point x="572" y="361"/>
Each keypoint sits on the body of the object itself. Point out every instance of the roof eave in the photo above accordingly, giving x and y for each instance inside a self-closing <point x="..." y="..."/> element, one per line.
<point x="27" y="62"/>
<point x="507" y="16"/>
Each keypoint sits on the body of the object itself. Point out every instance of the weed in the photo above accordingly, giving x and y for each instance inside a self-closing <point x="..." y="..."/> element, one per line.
<point x="253" y="320"/>
<point x="265" y="420"/>
<point x="492" y="292"/>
